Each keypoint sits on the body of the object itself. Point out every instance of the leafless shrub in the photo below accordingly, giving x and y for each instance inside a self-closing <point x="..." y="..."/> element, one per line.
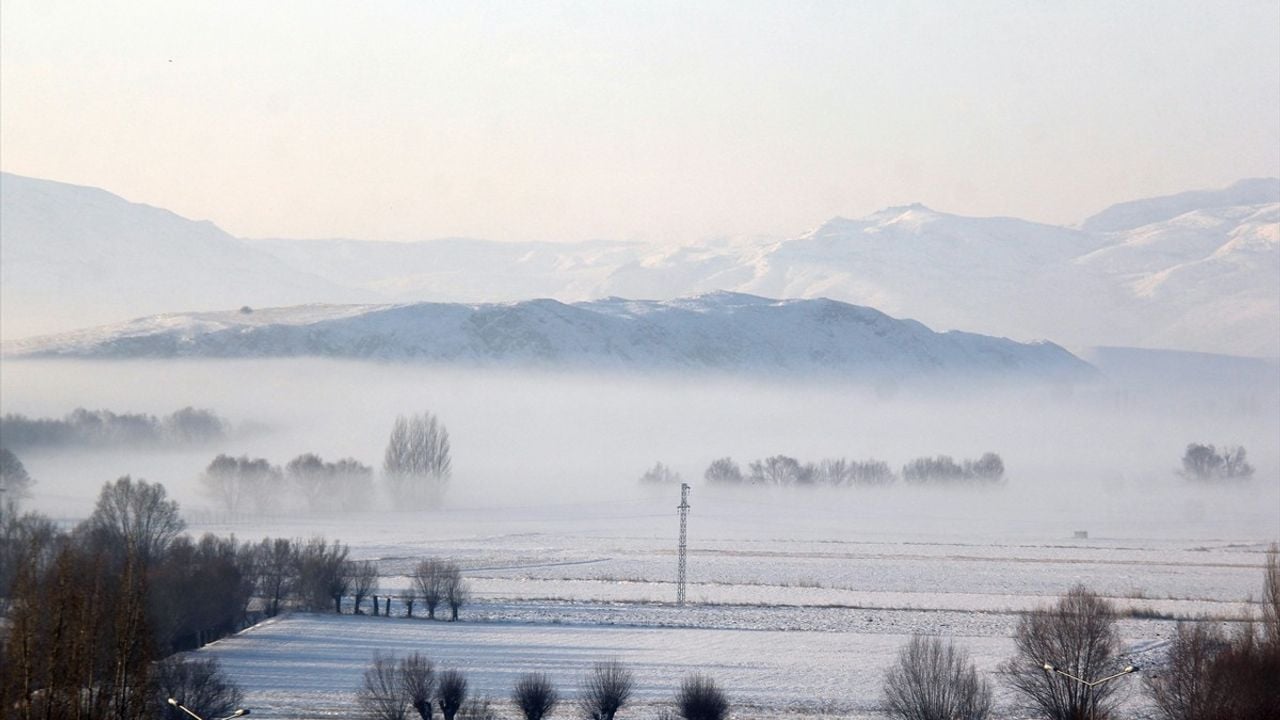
<point x="933" y="680"/>
<point x="605" y="690"/>
<point x="534" y="696"/>
<point x="197" y="684"/>
<point x="1077" y="636"/>
<point x="451" y="693"/>
<point x="701" y="699"/>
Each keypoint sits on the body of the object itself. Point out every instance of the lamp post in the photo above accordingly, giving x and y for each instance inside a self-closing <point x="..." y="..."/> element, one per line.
<point x="1049" y="668"/>
<point x="238" y="713"/>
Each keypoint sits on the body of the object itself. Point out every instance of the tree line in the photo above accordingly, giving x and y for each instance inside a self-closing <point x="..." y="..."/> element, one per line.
<point x="786" y="471"/>
<point x="416" y="468"/>
<point x="90" y="611"/>
<point x="104" y="428"/>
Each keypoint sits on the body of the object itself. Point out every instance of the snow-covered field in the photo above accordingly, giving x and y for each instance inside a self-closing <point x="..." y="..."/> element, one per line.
<point x="799" y="598"/>
<point x="802" y="626"/>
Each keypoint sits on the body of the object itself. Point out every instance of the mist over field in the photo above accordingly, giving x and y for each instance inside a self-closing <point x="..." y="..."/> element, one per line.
<point x="1099" y="456"/>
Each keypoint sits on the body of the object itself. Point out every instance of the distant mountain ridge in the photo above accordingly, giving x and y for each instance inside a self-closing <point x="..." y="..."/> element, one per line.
<point x="718" y="331"/>
<point x="1196" y="271"/>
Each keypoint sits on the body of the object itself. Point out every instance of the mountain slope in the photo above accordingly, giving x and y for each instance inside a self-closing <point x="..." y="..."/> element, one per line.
<point x="719" y="331"/>
<point x="71" y="256"/>
<point x="1136" y="213"/>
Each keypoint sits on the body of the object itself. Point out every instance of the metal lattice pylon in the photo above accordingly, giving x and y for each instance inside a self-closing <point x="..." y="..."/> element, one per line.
<point x="684" y="541"/>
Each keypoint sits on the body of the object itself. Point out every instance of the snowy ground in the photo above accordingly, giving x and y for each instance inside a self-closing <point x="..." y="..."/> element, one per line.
<point x="788" y="626"/>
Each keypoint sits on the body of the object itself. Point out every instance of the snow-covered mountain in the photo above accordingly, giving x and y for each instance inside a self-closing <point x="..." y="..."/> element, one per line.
<point x="72" y="256"/>
<point x="1197" y="271"/>
<point x="717" y="331"/>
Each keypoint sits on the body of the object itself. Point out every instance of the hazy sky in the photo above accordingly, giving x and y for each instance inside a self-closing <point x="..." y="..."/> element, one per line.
<point x="652" y="120"/>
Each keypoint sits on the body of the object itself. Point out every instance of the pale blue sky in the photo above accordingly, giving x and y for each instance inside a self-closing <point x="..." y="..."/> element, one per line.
<point x="650" y="120"/>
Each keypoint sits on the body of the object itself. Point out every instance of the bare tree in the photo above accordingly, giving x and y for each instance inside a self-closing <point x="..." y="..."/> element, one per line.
<point x="1212" y="675"/>
<point x="137" y="517"/>
<point x="198" y="684"/>
<point x="701" y="699"/>
<point x="605" y="690"/>
<point x="322" y="576"/>
<point x="933" y="680"/>
<point x="451" y="693"/>
<point x="409" y="596"/>
<point x="723" y="471"/>
<point x="15" y="483"/>
<point x="660" y="474"/>
<point x="457" y="591"/>
<point x="323" y="486"/>
<point x="364" y="581"/>
<point x="417" y="462"/>
<point x="1076" y="636"/>
<point x="242" y="485"/>
<point x="276" y="562"/>
<point x="534" y="696"/>
<point x="381" y="696"/>
<point x="777" y="470"/>
<point x="1271" y="596"/>
<point x="418" y="680"/>
<point x="1186" y="688"/>
<point x="429" y="582"/>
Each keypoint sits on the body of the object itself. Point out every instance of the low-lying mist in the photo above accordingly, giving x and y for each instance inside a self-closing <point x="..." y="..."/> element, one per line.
<point x="1101" y="457"/>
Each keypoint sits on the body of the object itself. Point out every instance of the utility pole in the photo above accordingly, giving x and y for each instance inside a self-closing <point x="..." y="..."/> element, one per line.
<point x="684" y="541"/>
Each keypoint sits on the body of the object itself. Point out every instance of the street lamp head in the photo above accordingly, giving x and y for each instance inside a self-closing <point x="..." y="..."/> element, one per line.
<point x="174" y="703"/>
<point x="1049" y="667"/>
<point x="1131" y="668"/>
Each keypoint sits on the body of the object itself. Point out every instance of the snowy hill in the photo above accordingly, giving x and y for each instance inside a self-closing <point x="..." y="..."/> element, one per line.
<point x="1197" y="271"/>
<point x="1136" y="213"/>
<point x="718" y="331"/>
<point x="72" y="256"/>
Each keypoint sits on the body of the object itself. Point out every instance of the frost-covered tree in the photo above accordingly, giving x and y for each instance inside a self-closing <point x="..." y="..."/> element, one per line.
<point x="417" y="463"/>
<point x="933" y="680"/>
<point x="723" y="471"/>
<point x="240" y="485"/>
<point x="15" y="483"/>
<point x="660" y="474"/>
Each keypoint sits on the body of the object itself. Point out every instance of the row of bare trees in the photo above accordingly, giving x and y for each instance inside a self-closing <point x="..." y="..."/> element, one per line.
<point x="410" y="687"/>
<point x="1069" y="656"/>
<point x="786" y="471"/>
<point x="416" y="466"/>
<point x="244" y="485"/>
